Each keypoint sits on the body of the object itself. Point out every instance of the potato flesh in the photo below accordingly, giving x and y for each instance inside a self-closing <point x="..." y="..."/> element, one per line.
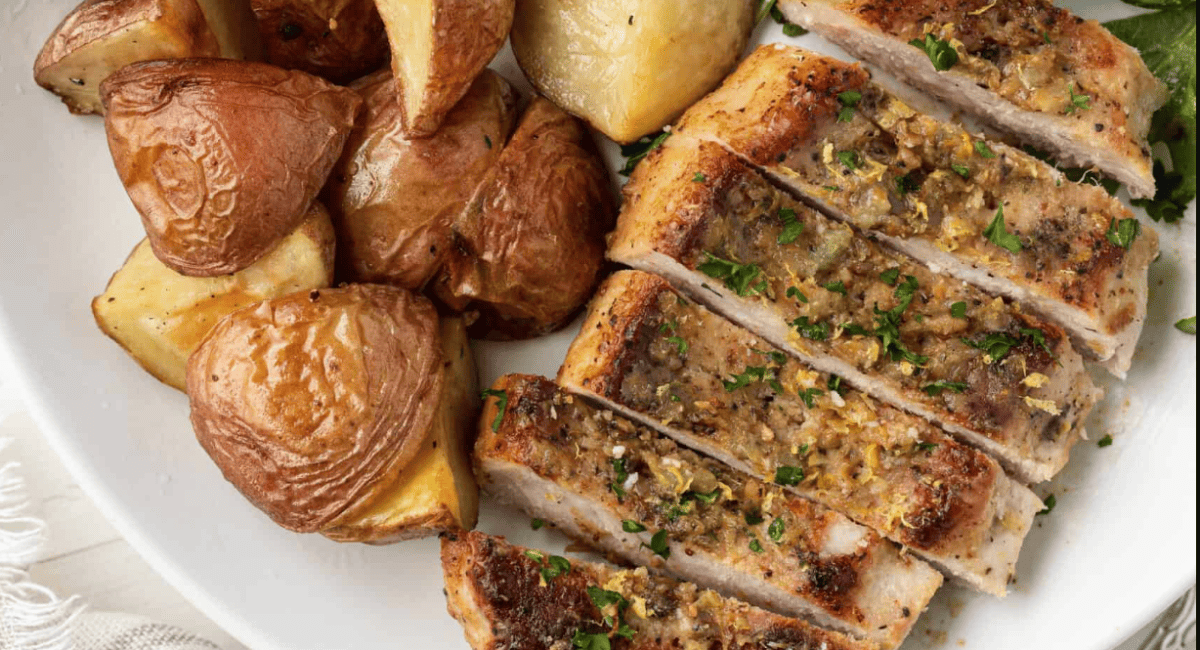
<point x="629" y="67"/>
<point x="77" y="76"/>
<point x="417" y="18"/>
<point x="437" y="491"/>
<point x="160" y="316"/>
<point x="233" y="24"/>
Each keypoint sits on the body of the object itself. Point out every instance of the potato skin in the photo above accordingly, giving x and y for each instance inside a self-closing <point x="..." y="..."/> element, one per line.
<point x="628" y="67"/>
<point x="339" y="40"/>
<point x="170" y="29"/>
<point x="314" y="403"/>
<point x="530" y="246"/>
<point x="159" y="316"/>
<point x="222" y="158"/>
<point x="463" y="37"/>
<point x="393" y="198"/>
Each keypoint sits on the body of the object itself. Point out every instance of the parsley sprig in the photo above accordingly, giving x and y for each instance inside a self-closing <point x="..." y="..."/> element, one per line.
<point x="738" y="278"/>
<point x="941" y="53"/>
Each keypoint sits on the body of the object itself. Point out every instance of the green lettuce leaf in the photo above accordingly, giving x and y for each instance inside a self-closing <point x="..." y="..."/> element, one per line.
<point x="1167" y="41"/>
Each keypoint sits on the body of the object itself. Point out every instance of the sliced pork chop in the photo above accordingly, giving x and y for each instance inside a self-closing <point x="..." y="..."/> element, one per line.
<point x="502" y="597"/>
<point x="1000" y="379"/>
<point x="615" y="486"/>
<point x="673" y="365"/>
<point x="1025" y="66"/>
<point x="981" y="211"/>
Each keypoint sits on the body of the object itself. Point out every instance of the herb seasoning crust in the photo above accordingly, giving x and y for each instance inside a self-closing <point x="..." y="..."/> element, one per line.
<point x="981" y="211"/>
<point x="1025" y="66"/>
<point x="1003" y="380"/>
<point x="498" y="593"/>
<point x="617" y="486"/>
<point x="733" y="396"/>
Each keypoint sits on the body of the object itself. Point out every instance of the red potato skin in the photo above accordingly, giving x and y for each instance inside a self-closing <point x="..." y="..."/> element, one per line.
<point x="222" y="158"/>
<point x="529" y="249"/>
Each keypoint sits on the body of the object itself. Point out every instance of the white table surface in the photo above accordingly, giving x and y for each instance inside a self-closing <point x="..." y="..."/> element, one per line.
<point x="86" y="556"/>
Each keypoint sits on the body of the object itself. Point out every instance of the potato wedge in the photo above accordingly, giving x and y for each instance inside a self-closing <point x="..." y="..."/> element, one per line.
<point x="628" y="67"/>
<point x="101" y="36"/>
<point x="340" y="40"/>
<point x="159" y="316"/>
<point x="319" y="407"/>
<point x="437" y="491"/>
<point x="529" y="247"/>
<point x="438" y="47"/>
<point x="393" y="198"/>
<point x="222" y="158"/>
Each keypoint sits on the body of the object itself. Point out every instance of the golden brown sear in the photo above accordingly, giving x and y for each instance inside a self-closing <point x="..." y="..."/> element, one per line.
<point x="313" y="404"/>
<point x="222" y="158"/>
<point x="529" y="248"/>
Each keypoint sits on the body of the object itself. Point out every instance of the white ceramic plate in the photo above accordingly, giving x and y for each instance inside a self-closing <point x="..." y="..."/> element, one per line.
<point x="1120" y="545"/>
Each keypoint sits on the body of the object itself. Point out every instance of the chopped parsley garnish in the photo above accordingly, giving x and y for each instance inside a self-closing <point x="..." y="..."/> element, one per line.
<point x="680" y="344"/>
<point x="854" y="329"/>
<point x="890" y="276"/>
<point x="788" y="475"/>
<point x="961" y="170"/>
<point x="849" y="159"/>
<point x="1122" y="233"/>
<point x="753" y="518"/>
<point x="999" y="235"/>
<point x="834" y="384"/>
<point x="536" y="524"/>
<point x="699" y="178"/>
<point x="814" y="331"/>
<point x="737" y="277"/>
<point x="536" y="556"/>
<point x="708" y="499"/>
<point x="983" y="149"/>
<point x="555" y="566"/>
<point x="792" y="227"/>
<point x="602" y="598"/>
<point x="487" y="141"/>
<point x="658" y="545"/>
<point x="939" y="387"/>
<point x="1038" y="337"/>
<point x="753" y="374"/>
<point x="775" y="530"/>
<point x="1049" y="502"/>
<point x="848" y="100"/>
<point x="501" y="404"/>
<point x="1046" y="36"/>
<point x="793" y="292"/>
<point x="631" y="526"/>
<point x="905" y="184"/>
<point x="756" y="546"/>
<point x="940" y="53"/>
<point x="789" y="28"/>
<point x="585" y="641"/>
<point x="808" y="394"/>
<point x="926" y="446"/>
<point x="887" y="324"/>
<point x="997" y="344"/>
<point x="1106" y="441"/>
<point x="832" y="188"/>
<point x="617" y="486"/>
<point x="1187" y="325"/>
<point x="635" y="152"/>
<point x="958" y="310"/>
<point x="836" y="287"/>
<point x="1078" y="102"/>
